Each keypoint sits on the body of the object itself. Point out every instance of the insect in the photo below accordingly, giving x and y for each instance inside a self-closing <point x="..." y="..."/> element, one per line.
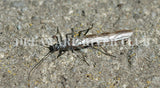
<point x="82" y="41"/>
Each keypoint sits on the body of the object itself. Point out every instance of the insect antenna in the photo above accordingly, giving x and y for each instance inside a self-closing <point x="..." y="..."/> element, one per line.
<point x="35" y="66"/>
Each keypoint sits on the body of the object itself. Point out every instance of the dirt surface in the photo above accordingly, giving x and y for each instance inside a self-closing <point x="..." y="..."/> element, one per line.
<point x="135" y="66"/>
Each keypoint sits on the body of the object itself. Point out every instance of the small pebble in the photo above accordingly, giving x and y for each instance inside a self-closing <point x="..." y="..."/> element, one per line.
<point x="24" y="9"/>
<point x="146" y="11"/>
<point x="35" y="3"/>
<point x="70" y="12"/>
<point x="121" y="48"/>
<point x="1" y="26"/>
<point x="153" y="14"/>
<point x="109" y="51"/>
<point x="19" y="27"/>
<point x="1" y="55"/>
<point x="35" y="19"/>
<point x="46" y="21"/>
<point x="136" y="16"/>
<point x="124" y="86"/>
<point x="18" y="4"/>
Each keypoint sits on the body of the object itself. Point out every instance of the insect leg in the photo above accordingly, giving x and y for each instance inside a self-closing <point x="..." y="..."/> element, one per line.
<point x="72" y="34"/>
<point x="83" y="57"/>
<point x="86" y="31"/>
<point x="106" y="51"/>
<point x="60" y="53"/>
<point x="67" y="37"/>
<point x="60" y="39"/>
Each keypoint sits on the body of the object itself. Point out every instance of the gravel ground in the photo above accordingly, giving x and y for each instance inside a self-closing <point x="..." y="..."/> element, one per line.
<point x="136" y="66"/>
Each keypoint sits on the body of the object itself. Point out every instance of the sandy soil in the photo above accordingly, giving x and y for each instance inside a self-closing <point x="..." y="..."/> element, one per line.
<point x="136" y="66"/>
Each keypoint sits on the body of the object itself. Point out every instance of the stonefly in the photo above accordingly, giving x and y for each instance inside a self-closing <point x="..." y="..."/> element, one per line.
<point x="82" y="41"/>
